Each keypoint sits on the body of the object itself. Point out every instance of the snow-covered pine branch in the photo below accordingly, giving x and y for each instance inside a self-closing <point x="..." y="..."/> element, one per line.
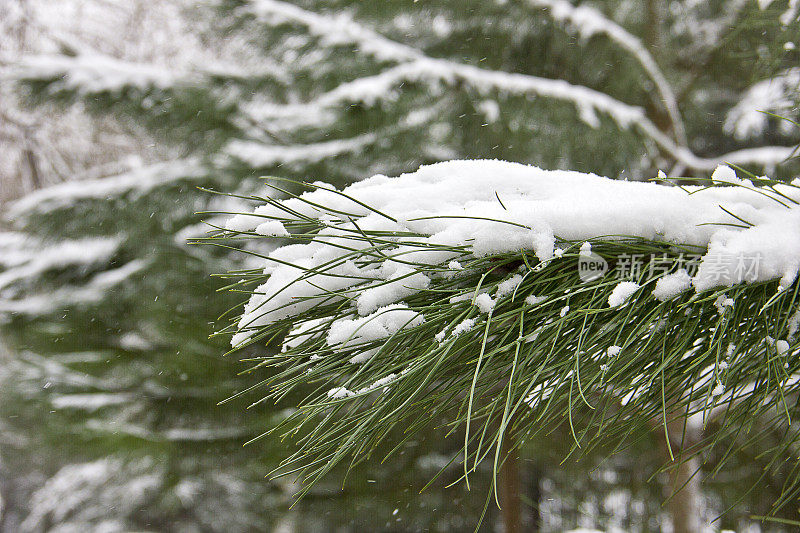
<point x="455" y="290"/>
<point x="777" y="95"/>
<point x="258" y="154"/>
<point x="415" y="66"/>
<point x="91" y="74"/>
<point x="334" y="29"/>
<point x="138" y="180"/>
<point x="93" y="291"/>
<point x="455" y="205"/>
<point x="590" y="22"/>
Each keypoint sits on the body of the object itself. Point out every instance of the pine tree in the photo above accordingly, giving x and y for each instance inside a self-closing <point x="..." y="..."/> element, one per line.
<point x="329" y="91"/>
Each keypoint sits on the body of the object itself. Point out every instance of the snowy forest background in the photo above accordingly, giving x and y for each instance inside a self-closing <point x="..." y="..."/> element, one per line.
<point x="113" y="113"/>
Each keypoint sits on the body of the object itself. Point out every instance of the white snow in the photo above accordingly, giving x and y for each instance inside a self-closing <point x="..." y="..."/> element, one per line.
<point x="725" y="174"/>
<point x="134" y="341"/>
<point x="564" y="311"/>
<point x="272" y="228"/>
<point x="747" y="119"/>
<point x="340" y="392"/>
<point x="91" y="401"/>
<point x="334" y="28"/>
<point x="29" y="257"/>
<point x="413" y="65"/>
<point x="484" y="303"/>
<point x="401" y="284"/>
<point x="589" y="21"/>
<point x="672" y="285"/>
<point x="535" y="300"/>
<point x="781" y="347"/>
<point x="613" y="351"/>
<point x="378" y="383"/>
<point x="263" y="155"/>
<point x="380" y="325"/>
<point x="69" y="295"/>
<point x="463" y="327"/>
<point x="302" y="332"/>
<point x="542" y="391"/>
<point x="790" y="15"/>
<point x="620" y="294"/>
<point x="508" y="286"/>
<point x="94" y="496"/>
<point x="139" y="180"/>
<point x="793" y="325"/>
<point x="93" y="73"/>
<point x="722" y="303"/>
<point x="455" y="204"/>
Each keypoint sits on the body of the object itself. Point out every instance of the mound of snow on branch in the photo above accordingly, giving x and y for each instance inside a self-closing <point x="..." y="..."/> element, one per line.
<point x="492" y="207"/>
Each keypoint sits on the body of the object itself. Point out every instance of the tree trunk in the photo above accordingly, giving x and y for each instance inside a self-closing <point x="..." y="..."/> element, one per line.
<point x="510" y="488"/>
<point x="683" y="490"/>
<point x="534" y="492"/>
<point x="685" y="505"/>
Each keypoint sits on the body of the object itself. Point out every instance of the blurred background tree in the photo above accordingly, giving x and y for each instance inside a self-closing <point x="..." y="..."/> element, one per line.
<point x="113" y="112"/>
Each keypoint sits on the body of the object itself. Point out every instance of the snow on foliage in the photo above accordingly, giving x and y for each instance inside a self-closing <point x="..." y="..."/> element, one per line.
<point x="621" y="293"/>
<point x="749" y="118"/>
<point x="31" y="258"/>
<point x="672" y="285"/>
<point x="413" y="65"/>
<point x="95" y="290"/>
<point x="138" y="181"/>
<point x="485" y="303"/>
<point x="92" y="73"/>
<point x="261" y="155"/>
<point x="416" y="66"/>
<point x="93" y="496"/>
<point x="380" y="325"/>
<point x="338" y="29"/>
<point x="588" y="22"/>
<point x="455" y="205"/>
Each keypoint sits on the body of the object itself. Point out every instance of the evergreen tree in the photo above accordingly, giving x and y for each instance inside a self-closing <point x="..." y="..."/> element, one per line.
<point x="106" y="308"/>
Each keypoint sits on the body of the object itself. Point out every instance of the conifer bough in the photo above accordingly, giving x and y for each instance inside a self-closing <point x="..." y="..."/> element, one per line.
<point x="459" y="289"/>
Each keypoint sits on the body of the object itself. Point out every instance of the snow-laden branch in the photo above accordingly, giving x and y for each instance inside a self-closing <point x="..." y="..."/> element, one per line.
<point x="69" y="295"/>
<point x="775" y="95"/>
<point x="384" y="285"/>
<point x="416" y="66"/>
<point x="372" y="89"/>
<point x="589" y="22"/>
<point x="138" y="180"/>
<point x="691" y="21"/>
<point x="26" y="258"/>
<point x="790" y="15"/>
<point x="333" y="29"/>
<point x="261" y="155"/>
<point x="91" y="73"/>
<point x="765" y="156"/>
<point x="456" y="204"/>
